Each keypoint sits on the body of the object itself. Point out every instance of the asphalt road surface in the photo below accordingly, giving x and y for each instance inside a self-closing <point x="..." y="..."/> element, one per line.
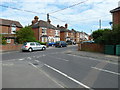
<point x="54" y="68"/>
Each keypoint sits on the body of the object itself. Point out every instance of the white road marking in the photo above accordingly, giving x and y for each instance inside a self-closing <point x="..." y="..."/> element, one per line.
<point x="87" y="58"/>
<point x="37" y="61"/>
<point x="60" y="58"/>
<point x="21" y="59"/>
<point x="29" y="58"/>
<point x="45" y="74"/>
<point x="32" y="64"/>
<point x="67" y="76"/>
<point x="10" y="64"/>
<point x="63" y="59"/>
<point x="105" y="70"/>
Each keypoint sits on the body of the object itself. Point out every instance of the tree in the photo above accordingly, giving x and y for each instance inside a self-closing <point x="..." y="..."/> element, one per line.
<point x="107" y="36"/>
<point x="25" y="35"/>
<point x="2" y="40"/>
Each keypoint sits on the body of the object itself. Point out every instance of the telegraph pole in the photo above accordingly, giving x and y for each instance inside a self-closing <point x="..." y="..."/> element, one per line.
<point x="100" y="24"/>
<point x="47" y="28"/>
<point x="47" y="16"/>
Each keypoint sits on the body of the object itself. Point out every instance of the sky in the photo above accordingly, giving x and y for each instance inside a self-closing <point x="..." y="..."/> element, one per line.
<point x="84" y="16"/>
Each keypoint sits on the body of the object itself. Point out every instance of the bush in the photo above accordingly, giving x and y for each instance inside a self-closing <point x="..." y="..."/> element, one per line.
<point x="107" y="36"/>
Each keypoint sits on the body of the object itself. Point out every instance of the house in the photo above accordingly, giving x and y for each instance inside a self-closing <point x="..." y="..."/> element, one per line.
<point x="65" y="34"/>
<point x="77" y="36"/>
<point x="8" y="29"/>
<point x="84" y="36"/>
<point x="116" y="15"/>
<point x="45" y="31"/>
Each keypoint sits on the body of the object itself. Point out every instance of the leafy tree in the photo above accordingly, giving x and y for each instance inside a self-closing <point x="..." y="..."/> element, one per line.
<point x="2" y="40"/>
<point x="107" y="36"/>
<point x="98" y="33"/>
<point x="25" y="35"/>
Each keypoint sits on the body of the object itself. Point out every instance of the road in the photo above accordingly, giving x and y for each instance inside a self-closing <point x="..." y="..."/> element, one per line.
<point x="61" y="69"/>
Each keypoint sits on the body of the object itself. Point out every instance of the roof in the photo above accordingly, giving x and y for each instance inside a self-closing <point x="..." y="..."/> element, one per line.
<point x="115" y="10"/>
<point x="6" y="22"/>
<point x="45" y="24"/>
<point x="63" y="29"/>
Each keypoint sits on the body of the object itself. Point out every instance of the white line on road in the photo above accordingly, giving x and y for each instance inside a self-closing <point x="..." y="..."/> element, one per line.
<point x="63" y="59"/>
<point x="32" y="64"/>
<point x="105" y="70"/>
<point x="37" y="61"/>
<point x="60" y="58"/>
<point x="21" y="59"/>
<point x="67" y="76"/>
<point x="94" y="59"/>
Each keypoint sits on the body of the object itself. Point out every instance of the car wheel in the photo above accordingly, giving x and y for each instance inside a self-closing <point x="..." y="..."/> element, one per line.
<point x="30" y="49"/>
<point x="43" y="48"/>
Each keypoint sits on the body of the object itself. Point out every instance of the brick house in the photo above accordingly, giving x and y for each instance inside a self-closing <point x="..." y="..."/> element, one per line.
<point x="8" y="29"/>
<point x="45" y="31"/>
<point x="84" y="36"/>
<point x="77" y="36"/>
<point x="65" y="34"/>
<point x="116" y="15"/>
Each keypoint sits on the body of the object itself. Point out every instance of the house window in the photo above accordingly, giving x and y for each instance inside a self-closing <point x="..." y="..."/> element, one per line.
<point x="13" y="29"/>
<point x="66" y="34"/>
<point x="44" y="31"/>
<point x="8" y="40"/>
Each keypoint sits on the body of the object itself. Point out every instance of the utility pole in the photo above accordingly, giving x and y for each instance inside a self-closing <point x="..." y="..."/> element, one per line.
<point x="47" y="16"/>
<point x="100" y="24"/>
<point x="47" y="28"/>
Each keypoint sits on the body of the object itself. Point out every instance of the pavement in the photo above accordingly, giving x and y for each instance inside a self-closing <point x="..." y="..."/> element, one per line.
<point x="20" y="74"/>
<point x="101" y="56"/>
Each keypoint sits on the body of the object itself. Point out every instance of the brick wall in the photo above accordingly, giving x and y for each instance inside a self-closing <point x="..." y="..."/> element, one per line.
<point x="116" y="17"/>
<point x="7" y="29"/>
<point x="91" y="47"/>
<point x="10" y="47"/>
<point x="62" y="36"/>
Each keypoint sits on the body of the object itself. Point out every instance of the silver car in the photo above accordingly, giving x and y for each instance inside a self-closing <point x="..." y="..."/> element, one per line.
<point x="31" y="46"/>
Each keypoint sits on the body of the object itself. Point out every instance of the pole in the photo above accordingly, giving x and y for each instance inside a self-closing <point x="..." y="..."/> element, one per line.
<point x="47" y="28"/>
<point x="100" y="24"/>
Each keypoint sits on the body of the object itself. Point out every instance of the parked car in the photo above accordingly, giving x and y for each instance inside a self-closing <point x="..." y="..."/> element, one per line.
<point x="31" y="46"/>
<point x="51" y="44"/>
<point x="69" y="42"/>
<point x="60" y="44"/>
<point x="88" y="42"/>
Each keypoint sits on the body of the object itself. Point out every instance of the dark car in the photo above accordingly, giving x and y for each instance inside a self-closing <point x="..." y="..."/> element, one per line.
<point x="87" y="42"/>
<point x="60" y="44"/>
<point x="69" y="42"/>
<point x="51" y="44"/>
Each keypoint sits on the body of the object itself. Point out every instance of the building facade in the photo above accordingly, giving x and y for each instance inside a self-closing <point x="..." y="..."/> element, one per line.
<point x="116" y="15"/>
<point x="45" y="31"/>
<point x="8" y="29"/>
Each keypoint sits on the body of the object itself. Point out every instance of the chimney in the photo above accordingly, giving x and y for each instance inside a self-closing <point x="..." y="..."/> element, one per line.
<point x="58" y="26"/>
<point x="49" y="21"/>
<point x="66" y="25"/>
<point x="35" y="20"/>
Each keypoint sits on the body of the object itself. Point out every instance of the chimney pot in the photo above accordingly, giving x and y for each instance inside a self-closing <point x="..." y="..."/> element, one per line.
<point x="66" y="25"/>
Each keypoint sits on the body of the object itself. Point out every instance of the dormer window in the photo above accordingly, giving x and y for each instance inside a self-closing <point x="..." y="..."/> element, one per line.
<point x="13" y="29"/>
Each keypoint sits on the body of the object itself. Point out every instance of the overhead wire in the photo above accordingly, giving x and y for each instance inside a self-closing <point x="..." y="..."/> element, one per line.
<point x="69" y="7"/>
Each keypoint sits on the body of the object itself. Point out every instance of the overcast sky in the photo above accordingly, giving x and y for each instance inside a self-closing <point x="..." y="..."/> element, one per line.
<point x="83" y="17"/>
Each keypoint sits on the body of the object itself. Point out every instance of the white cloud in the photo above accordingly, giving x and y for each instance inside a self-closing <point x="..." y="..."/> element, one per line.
<point x="82" y="15"/>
